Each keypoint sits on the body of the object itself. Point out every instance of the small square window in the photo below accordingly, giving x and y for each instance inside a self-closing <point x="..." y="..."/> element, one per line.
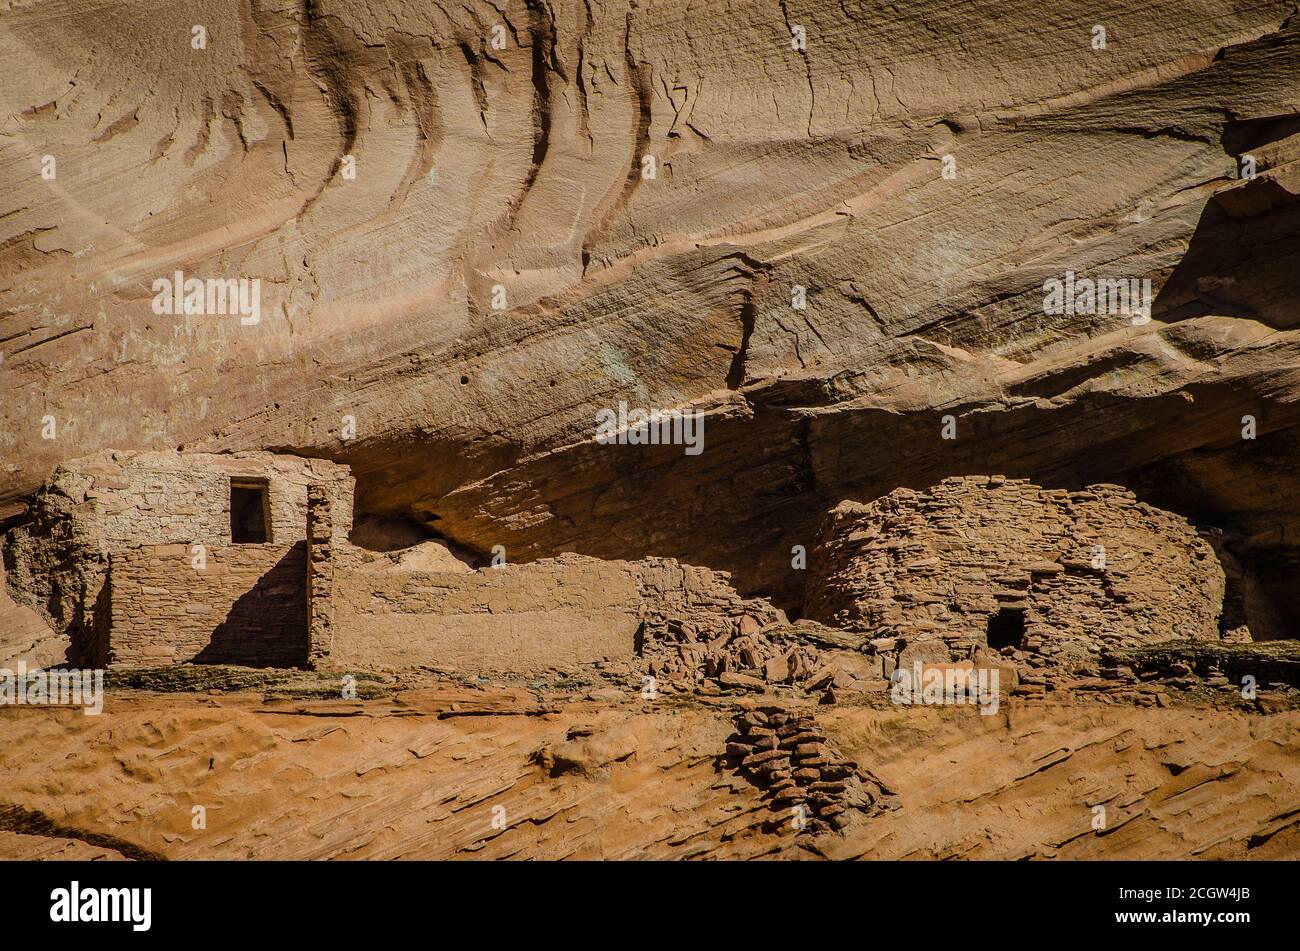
<point x="1007" y="629"/>
<point x="250" y="512"/>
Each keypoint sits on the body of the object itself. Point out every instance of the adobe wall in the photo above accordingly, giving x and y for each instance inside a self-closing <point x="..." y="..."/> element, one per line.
<point x="944" y="560"/>
<point x="555" y="612"/>
<point x="247" y="605"/>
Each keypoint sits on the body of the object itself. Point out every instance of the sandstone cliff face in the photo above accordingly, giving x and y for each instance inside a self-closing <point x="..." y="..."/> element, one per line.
<point x="875" y="247"/>
<point x="392" y="173"/>
<point x="491" y="772"/>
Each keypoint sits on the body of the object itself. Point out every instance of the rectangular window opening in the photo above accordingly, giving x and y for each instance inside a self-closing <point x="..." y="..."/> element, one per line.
<point x="250" y="512"/>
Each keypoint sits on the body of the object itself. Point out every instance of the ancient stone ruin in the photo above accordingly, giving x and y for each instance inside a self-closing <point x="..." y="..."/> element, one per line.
<point x="147" y="558"/>
<point x="982" y="561"/>
<point x="692" y="390"/>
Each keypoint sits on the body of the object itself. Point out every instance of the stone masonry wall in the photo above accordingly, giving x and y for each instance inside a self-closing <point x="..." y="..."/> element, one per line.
<point x="1090" y="570"/>
<point x="552" y="612"/>
<point x="320" y="576"/>
<point x="810" y="785"/>
<point x="171" y="497"/>
<point x="112" y="501"/>
<point x="246" y="605"/>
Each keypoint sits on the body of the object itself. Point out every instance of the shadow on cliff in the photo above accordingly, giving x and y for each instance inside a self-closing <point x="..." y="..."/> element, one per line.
<point x="1242" y="259"/>
<point x="758" y="495"/>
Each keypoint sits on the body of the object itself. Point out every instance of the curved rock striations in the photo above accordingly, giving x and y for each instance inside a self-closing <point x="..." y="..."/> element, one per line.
<point x="476" y="226"/>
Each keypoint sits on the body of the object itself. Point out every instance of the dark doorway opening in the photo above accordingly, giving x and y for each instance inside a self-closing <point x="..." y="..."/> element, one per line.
<point x="250" y="512"/>
<point x="1007" y="628"/>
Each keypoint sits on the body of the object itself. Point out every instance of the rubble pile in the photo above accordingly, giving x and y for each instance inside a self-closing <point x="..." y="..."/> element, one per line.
<point x="805" y="779"/>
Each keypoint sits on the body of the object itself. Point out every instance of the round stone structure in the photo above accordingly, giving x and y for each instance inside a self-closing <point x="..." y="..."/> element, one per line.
<point x="986" y="560"/>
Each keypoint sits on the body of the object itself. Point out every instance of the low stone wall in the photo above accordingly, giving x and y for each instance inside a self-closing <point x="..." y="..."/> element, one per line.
<point x="811" y="786"/>
<point x="246" y="605"/>
<point x="555" y="612"/>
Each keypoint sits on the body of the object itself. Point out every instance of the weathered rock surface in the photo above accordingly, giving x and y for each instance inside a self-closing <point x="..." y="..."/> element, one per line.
<point x="499" y="772"/>
<point x="26" y="636"/>
<point x="459" y="256"/>
<point x="520" y="167"/>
